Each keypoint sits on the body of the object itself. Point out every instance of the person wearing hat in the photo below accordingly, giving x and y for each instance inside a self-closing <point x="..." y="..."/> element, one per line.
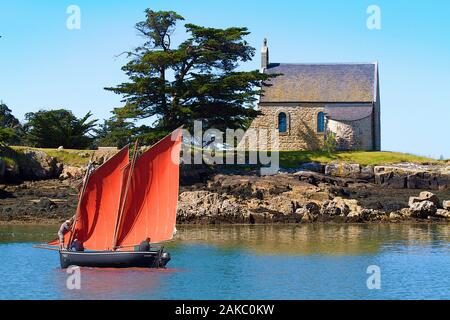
<point x="65" y="227"/>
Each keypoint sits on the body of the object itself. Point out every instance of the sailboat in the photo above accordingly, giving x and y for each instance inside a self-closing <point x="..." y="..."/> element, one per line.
<point x="123" y="202"/>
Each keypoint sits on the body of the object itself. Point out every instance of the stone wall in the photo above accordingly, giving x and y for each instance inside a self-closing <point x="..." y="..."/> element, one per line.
<point x="352" y="135"/>
<point x="301" y="128"/>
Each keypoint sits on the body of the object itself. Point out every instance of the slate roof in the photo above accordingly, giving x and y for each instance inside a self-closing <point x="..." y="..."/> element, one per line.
<point x="348" y="113"/>
<point x="321" y="83"/>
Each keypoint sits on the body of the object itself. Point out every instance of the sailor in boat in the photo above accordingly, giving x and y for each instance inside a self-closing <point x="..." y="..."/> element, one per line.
<point x="65" y="227"/>
<point x="145" y="245"/>
<point x="76" y="245"/>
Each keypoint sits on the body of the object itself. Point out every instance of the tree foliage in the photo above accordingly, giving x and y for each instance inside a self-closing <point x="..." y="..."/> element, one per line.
<point x="9" y="126"/>
<point x="54" y="128"/>
<point x="330" y="143"/>
<point x="6" y="135"/>
<point x="196" y="80"/>
<point x="116" y="132"/>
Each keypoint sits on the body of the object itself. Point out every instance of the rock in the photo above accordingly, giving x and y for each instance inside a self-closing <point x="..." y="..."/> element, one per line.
<point x="371" y="214"/>
<point x="210" y="207"/>
<point x="389" y="179"/>
<point x="282" y="204"/>
<point x="2" y="169"/>
<point x="422" y="209"/>
<point x="71" y="172"/>
<point x="46" y="204"/>
<point x="308" y="217"/>
<point x="352" y="205"/>
<point x="413" y="176"/>
<point x="395" y="216"/>
<point x="310" y="208"/>
<point x="198" y="203"/>
<point x="358" y="214"/>
<point x="425" y="196"/>
<point x="446" y="204"/>
<point x="367" y="173"/>
<point x="229" y="208"/>
<point x="428" y="196"/>
<point x="12" y="172"/>
<point x="99" y="159"/>
<point x="443" y="213"/>
<point x="354" y="214"/>
<point x="329" y="208"/>
<point x="37" y="165"/>
<point x="422" y="180"/>
<point x="313" y="208"/>
<point x="413" y="200"/>
<point x="443" y="181"/>
<point x="60" y="148"/>
<point x="312" y="166"/>
<point x="405" y="212"/>
<point x="339" y="206"/>
<point x="338" y="192"/>
<point x="343" y="170"/>
<point x="322" y="178"/>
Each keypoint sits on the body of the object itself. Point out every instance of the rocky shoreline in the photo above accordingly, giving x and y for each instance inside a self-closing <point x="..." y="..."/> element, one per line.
<point x="306" y="197"/>
<point x="303" y="197"/>
<point x="313" y="192"/>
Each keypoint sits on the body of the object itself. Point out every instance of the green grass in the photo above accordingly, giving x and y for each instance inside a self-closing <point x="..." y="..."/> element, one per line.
<point x="9" y="161"/>
<point x="67" y="156"/>
<point x="290" y="159"/>
<point x="8" y="156"/>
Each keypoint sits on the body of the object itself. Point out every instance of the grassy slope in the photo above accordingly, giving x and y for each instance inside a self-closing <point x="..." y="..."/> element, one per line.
<point x="288" y="159"/>
<point x="67" y="156"/>
<point x="293" y="158"/>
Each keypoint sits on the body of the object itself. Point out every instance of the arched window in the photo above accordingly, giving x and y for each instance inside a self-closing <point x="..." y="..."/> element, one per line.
<point x="282" y="122"/>
<point x="320" y="122"/>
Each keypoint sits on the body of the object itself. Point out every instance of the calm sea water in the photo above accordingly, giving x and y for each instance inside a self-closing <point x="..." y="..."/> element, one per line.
<point x="247" y="262"/>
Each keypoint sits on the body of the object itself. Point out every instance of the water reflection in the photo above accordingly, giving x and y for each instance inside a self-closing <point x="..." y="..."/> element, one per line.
<point x="326" y="261"/>
<point x="329" y="239"/>
<point x="27" y="233"/>
<point x="112" y="283"/>
<point x="305" y="239"/>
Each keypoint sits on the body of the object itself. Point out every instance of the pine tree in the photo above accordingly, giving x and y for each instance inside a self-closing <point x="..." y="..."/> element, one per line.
<point x="197" y="80"/>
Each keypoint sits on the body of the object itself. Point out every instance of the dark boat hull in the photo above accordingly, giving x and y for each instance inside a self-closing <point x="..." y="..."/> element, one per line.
<point x="114" y="259"/>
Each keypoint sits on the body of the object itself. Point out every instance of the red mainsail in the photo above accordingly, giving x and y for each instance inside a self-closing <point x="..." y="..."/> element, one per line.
<point x="99" y="204"/>
<point x="150" y="203"/>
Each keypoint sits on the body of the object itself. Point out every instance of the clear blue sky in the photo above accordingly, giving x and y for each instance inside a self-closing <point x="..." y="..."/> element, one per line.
<point x="45" y="65"/>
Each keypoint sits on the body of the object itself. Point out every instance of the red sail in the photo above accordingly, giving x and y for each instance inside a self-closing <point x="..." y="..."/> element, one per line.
<point x="151" y="200"/>
<point x="99" y="205"/>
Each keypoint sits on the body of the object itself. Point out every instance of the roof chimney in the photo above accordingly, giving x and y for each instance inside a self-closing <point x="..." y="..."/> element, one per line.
<point x="264" y="55"/>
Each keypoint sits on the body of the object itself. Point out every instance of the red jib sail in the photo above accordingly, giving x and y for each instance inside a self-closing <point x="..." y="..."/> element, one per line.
<point x="99" y="204"/>
<point x="150" y="203"/>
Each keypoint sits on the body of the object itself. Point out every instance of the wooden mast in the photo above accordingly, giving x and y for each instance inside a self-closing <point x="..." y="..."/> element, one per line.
<point x="83" y="189"/>
<point x="122" y="201"/>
